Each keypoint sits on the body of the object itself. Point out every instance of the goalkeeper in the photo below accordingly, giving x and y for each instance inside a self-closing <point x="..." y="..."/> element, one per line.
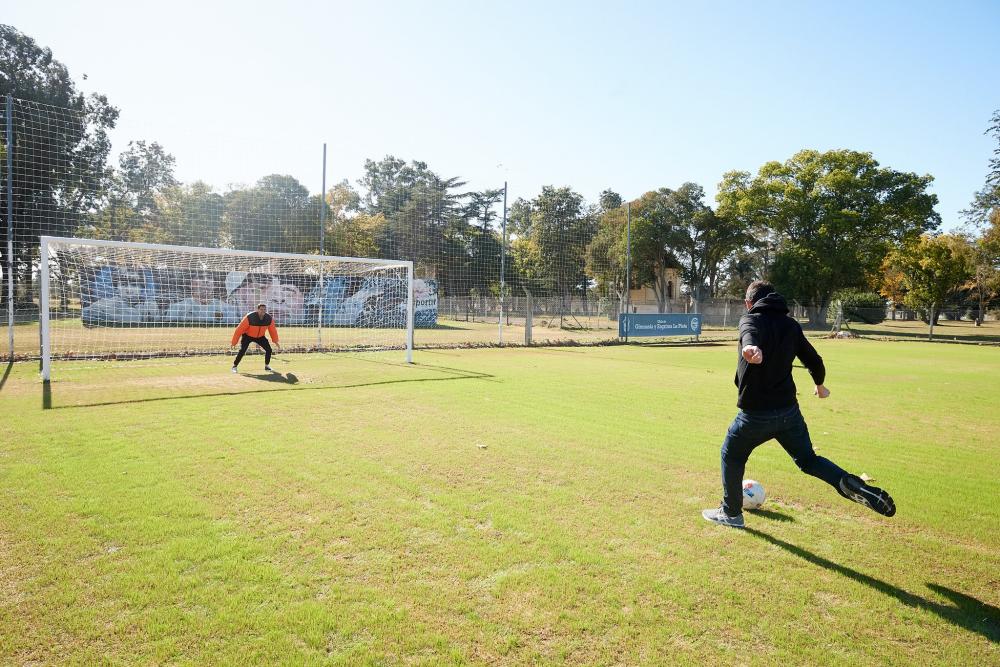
<point x="251" y="329"/>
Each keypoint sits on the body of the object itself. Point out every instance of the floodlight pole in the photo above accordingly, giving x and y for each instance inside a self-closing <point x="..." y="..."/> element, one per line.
<point x="628" y="265"/>
<point x="503" y="249"/>
<point x="322" y="252"/>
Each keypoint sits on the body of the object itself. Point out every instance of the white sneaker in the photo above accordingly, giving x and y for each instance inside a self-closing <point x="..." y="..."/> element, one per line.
<point x="719" y="516"/>
<point x="267" y="368"/>
<point x="234" y="369"/>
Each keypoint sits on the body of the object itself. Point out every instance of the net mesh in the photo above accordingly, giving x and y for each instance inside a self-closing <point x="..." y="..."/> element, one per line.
<point x="552" y="263"/>
<point x="120" y="301"/>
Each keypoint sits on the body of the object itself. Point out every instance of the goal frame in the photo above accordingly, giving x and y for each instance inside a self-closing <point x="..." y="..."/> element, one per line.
<point x="44" y="268"/>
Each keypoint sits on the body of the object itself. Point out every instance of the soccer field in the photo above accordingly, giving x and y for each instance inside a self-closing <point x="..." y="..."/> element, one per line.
<point x="493" y="506"/>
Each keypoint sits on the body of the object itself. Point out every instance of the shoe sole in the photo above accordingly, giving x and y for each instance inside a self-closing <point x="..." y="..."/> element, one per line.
<point x="871" y="497"/>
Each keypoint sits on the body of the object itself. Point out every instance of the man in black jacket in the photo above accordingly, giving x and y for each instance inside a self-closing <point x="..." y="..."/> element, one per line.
<point x="769" y="342"/>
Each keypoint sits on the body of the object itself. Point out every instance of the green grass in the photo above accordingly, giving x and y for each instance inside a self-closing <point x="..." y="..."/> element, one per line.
<point x="493" y="507"/>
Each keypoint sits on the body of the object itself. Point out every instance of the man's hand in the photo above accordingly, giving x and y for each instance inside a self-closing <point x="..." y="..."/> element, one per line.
<point x="821" y="391"/>
<point x="753" y="354"/>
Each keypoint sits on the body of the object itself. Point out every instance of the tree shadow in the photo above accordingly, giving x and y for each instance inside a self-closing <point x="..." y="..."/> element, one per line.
<point x="942" y="331"/>
<point x="449" y="374"/>
<point x="965" y="612"/>
<point x="772" y="515"/>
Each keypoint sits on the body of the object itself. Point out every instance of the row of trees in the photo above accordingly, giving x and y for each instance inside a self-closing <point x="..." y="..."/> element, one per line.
<point x="815" y="224"/>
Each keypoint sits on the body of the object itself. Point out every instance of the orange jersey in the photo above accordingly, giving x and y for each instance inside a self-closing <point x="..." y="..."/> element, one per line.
<point x="255" y="326"/>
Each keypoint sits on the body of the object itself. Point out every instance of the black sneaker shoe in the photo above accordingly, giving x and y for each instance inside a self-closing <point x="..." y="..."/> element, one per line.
<point x="854" y="488"/>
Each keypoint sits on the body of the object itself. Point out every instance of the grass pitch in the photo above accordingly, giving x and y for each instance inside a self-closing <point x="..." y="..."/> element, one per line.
<point x="493" y="507"/>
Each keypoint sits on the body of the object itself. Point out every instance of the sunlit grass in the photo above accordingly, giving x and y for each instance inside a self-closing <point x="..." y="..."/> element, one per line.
<point x="492" y="506"/>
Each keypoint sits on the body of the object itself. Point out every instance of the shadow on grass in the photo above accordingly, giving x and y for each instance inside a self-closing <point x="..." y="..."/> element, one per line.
<point x="772" y="515"/>
<point x="965" y="611"/>
<point x="683" y="343"/>
<point x="941" y="335"/>
<point x="273" y="376"/>
<point x="450" y="374"/>
<point x="6" y="373"/>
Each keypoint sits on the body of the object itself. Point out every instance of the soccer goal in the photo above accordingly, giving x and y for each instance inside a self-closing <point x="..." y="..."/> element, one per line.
<point x="121" y="300"/>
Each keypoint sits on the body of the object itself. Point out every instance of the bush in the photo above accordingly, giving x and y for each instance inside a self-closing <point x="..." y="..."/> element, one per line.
<point x="858" y="306"/>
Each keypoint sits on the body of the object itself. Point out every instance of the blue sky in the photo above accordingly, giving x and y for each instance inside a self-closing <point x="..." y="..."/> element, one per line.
<point x="586" y="94"/>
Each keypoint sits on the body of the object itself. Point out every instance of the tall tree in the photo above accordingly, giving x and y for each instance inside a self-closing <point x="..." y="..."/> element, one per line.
<point x="702" y="240"/>
<point x="607" y="253"/>
<point x="983" y="215"/>
<point x="654" y="233"/>
<point x="483" y="242"/>
<point x="561" y="226"/>
<point x="418" y="206"/>
<point x="836" y="215"/>
<point x="60" y="150"/>
<point x="987" y="199"/>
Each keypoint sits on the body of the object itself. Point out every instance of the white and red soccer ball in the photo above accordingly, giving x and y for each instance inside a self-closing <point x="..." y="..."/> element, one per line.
<point x="753" y="494"/>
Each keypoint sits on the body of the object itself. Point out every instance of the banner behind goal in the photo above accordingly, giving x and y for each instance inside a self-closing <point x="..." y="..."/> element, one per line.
<point x="119" y="300"/>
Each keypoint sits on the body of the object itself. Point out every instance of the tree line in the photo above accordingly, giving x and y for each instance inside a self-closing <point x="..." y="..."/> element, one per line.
<point x="818" y="224"/>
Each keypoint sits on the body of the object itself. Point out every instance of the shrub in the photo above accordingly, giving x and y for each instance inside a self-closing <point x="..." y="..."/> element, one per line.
<point x="859" y="306"/>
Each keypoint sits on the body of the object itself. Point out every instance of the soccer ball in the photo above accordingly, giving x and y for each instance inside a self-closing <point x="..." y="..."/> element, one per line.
<point x="753" y="494"/>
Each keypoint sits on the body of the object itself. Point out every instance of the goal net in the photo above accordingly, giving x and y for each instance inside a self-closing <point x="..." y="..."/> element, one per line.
<point x="121" y="300"/>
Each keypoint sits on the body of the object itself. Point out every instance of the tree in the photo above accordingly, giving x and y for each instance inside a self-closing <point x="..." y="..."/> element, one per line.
<point x="835" y="215"/>
<point x="356" y="236"/>
<point x="606" y="255"/>
<point x="63" y="135"/>
<point x="892" y="282"/>
<point x="134" y="194"/>
<point x="482" y="242"/>
<point x="984" y="217"/>
<point x="933" y="268"/>
<point x="610" y="200"/>
<point x="192" y="215"/>
<point x="701" y="240"/>
<point x="986" y="264"/>
<point x="987" y="199"/>
<point x="561" y="226"/>
<point x="418" y="206"/>
<point x="654" y="232"/>
<point x="277" y="214"/>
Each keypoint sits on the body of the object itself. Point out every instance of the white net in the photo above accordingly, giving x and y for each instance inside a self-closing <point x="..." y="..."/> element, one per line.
<point x="118" y="300"/>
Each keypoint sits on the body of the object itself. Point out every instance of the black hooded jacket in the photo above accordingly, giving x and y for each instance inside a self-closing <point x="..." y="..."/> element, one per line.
<point x="769" y="385"/>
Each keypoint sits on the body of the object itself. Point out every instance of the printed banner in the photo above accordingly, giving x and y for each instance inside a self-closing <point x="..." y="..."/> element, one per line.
<point x="664" y="324"/>
<point x="115" y="296"/>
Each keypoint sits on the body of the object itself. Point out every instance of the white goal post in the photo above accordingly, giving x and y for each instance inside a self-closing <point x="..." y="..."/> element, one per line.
<point x="124" y="300"/>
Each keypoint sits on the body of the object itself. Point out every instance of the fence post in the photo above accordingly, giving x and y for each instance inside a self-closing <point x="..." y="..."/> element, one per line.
<point x="527" y="317"/>
<point x="8" y="117"/>
<point x="322" y="251"/>
<point x="503" y="253"/>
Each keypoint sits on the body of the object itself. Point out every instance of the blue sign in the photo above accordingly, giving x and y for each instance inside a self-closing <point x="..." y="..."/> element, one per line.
<point x="664" y="324"/>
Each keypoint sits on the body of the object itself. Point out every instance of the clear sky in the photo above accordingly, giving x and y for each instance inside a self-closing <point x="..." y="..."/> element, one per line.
<point x="627" y="95"/>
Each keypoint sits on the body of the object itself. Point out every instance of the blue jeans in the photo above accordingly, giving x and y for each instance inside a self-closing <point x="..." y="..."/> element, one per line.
<point x="752" y="428"/>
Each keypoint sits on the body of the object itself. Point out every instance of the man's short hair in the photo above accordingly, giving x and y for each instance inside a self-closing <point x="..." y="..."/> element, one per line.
<point x="758" y="289"/>
<point x="261" y="305"/>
